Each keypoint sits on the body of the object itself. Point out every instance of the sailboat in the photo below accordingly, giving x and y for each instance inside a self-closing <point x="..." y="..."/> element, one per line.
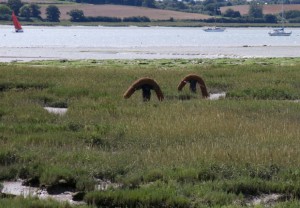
<point x="18" y="27"/>
<point x="280" y="31"/>
<point x="214" y="28"/>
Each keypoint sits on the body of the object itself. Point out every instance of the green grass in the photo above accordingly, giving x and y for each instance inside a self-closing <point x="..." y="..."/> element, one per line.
<point x="175" y="153"/>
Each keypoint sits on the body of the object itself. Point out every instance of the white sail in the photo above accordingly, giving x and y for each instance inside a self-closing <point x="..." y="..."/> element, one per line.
<point x="280" y="31"/>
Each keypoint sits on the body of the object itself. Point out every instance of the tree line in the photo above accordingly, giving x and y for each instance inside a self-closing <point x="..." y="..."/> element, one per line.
<point x="32" y="11"/>
<point x="28" y="11"/>
<point x="145" y="3"/>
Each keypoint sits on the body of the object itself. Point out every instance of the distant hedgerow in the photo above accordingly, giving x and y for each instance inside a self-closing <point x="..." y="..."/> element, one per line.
<point x="136" y="19"/>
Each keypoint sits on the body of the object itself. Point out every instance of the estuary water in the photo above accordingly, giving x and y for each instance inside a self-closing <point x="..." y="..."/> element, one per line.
<point x="81" y="42"/>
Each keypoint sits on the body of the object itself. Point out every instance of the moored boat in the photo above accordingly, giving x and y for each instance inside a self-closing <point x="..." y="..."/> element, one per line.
<point x="280" y="32"/>
<point x="214" y="29"/>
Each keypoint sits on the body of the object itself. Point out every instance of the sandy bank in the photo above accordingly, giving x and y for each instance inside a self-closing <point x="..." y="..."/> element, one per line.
<point x="8" y="54"/>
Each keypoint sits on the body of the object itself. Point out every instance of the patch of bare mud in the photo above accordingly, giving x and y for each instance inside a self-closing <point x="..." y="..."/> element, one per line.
<point x="102" y="185"/>
<point x="58" y="111"/>
<point x="212" y="96"/>
<point x="57" y="193"/>
<point x="217" y="96"/>
<point x="16" y="188"/>
<point x="264" y="200"/>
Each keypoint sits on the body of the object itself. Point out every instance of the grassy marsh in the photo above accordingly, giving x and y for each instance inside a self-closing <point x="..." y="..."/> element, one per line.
<point x="175" y="153"/>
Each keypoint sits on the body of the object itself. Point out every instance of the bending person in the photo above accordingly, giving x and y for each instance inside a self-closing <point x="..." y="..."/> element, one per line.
<point x="146" y="85"/>
<point x="193" y="80"/>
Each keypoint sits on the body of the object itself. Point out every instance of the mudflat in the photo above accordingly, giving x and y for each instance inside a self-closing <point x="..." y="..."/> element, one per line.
<point x="9" y="54"/>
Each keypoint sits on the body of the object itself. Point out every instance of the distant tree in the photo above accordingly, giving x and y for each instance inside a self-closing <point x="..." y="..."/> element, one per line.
<point x="76" y="15"/>
<point x="25" y="11"/>
<point x="209" y="2"/>
<point x="181" y="5"/>
<point x="189" y="1"/>
<point x="133" y="2"/>
<point x="52" y="13"/>
<point x="136" y="19"/>
<point x="5" y="10"/>
<point x="255" y="10"/>
<point x="270" y="18"/>
<point x="149" y="3"/>
<point x="217" y="2"/>
<point x="292" y="14"/>
<point x="232" y="13"/>
<point x="211" y="8"/>
<point x="35" y="10"/>
<point x="15" y="5"/>
<point x="228" y="13"/>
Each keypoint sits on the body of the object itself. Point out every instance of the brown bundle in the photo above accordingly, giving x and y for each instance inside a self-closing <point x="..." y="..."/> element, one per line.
<point x="193" y="79"/>
<point x="146" y="84"/>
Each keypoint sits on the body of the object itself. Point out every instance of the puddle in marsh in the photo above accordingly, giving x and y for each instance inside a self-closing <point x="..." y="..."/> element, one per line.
<point x="265" y="200"/>
<point x="60" y="194"/>
<point x="217" y="96"/>
<point x="212" y="96"/>
<point x="15" y="188"/>
<point x="58" y="111"/>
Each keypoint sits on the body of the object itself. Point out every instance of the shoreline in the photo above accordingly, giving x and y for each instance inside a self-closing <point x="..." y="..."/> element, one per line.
<point x="183" y="23"/>
<point x="27" y="54"/>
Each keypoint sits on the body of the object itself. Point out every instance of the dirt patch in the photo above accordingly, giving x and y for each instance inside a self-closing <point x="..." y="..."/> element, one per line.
<point x="266" y="200"/>
<point x="16" y="188"/>
<point x="103" y="185"/>
<point x="217" y="96"/>
<point x="59" y="193"/>
<point x="58" y="111"/>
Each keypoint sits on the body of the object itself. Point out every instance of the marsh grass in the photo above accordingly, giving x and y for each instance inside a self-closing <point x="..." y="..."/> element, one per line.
<point x="184" y="151"/>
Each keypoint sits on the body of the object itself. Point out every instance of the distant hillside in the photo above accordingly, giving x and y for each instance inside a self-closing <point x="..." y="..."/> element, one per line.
<point x="109" y="10"/>
<point x="267" y="9"/>
<point x="123" y="11"/>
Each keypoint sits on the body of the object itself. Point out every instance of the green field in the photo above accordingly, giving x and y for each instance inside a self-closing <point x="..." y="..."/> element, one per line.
<point x="185" y="151"/>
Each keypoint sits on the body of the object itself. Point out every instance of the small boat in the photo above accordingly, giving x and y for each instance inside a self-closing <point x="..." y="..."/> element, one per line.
<point x="280" y="32"/>
<point x="18" y="27"/>
<point x="214" y="29"/>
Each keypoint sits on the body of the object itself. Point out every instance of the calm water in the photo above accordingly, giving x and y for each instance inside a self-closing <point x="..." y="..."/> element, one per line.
<point x="136" y="37"/>
<point x="191" y="42"/>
